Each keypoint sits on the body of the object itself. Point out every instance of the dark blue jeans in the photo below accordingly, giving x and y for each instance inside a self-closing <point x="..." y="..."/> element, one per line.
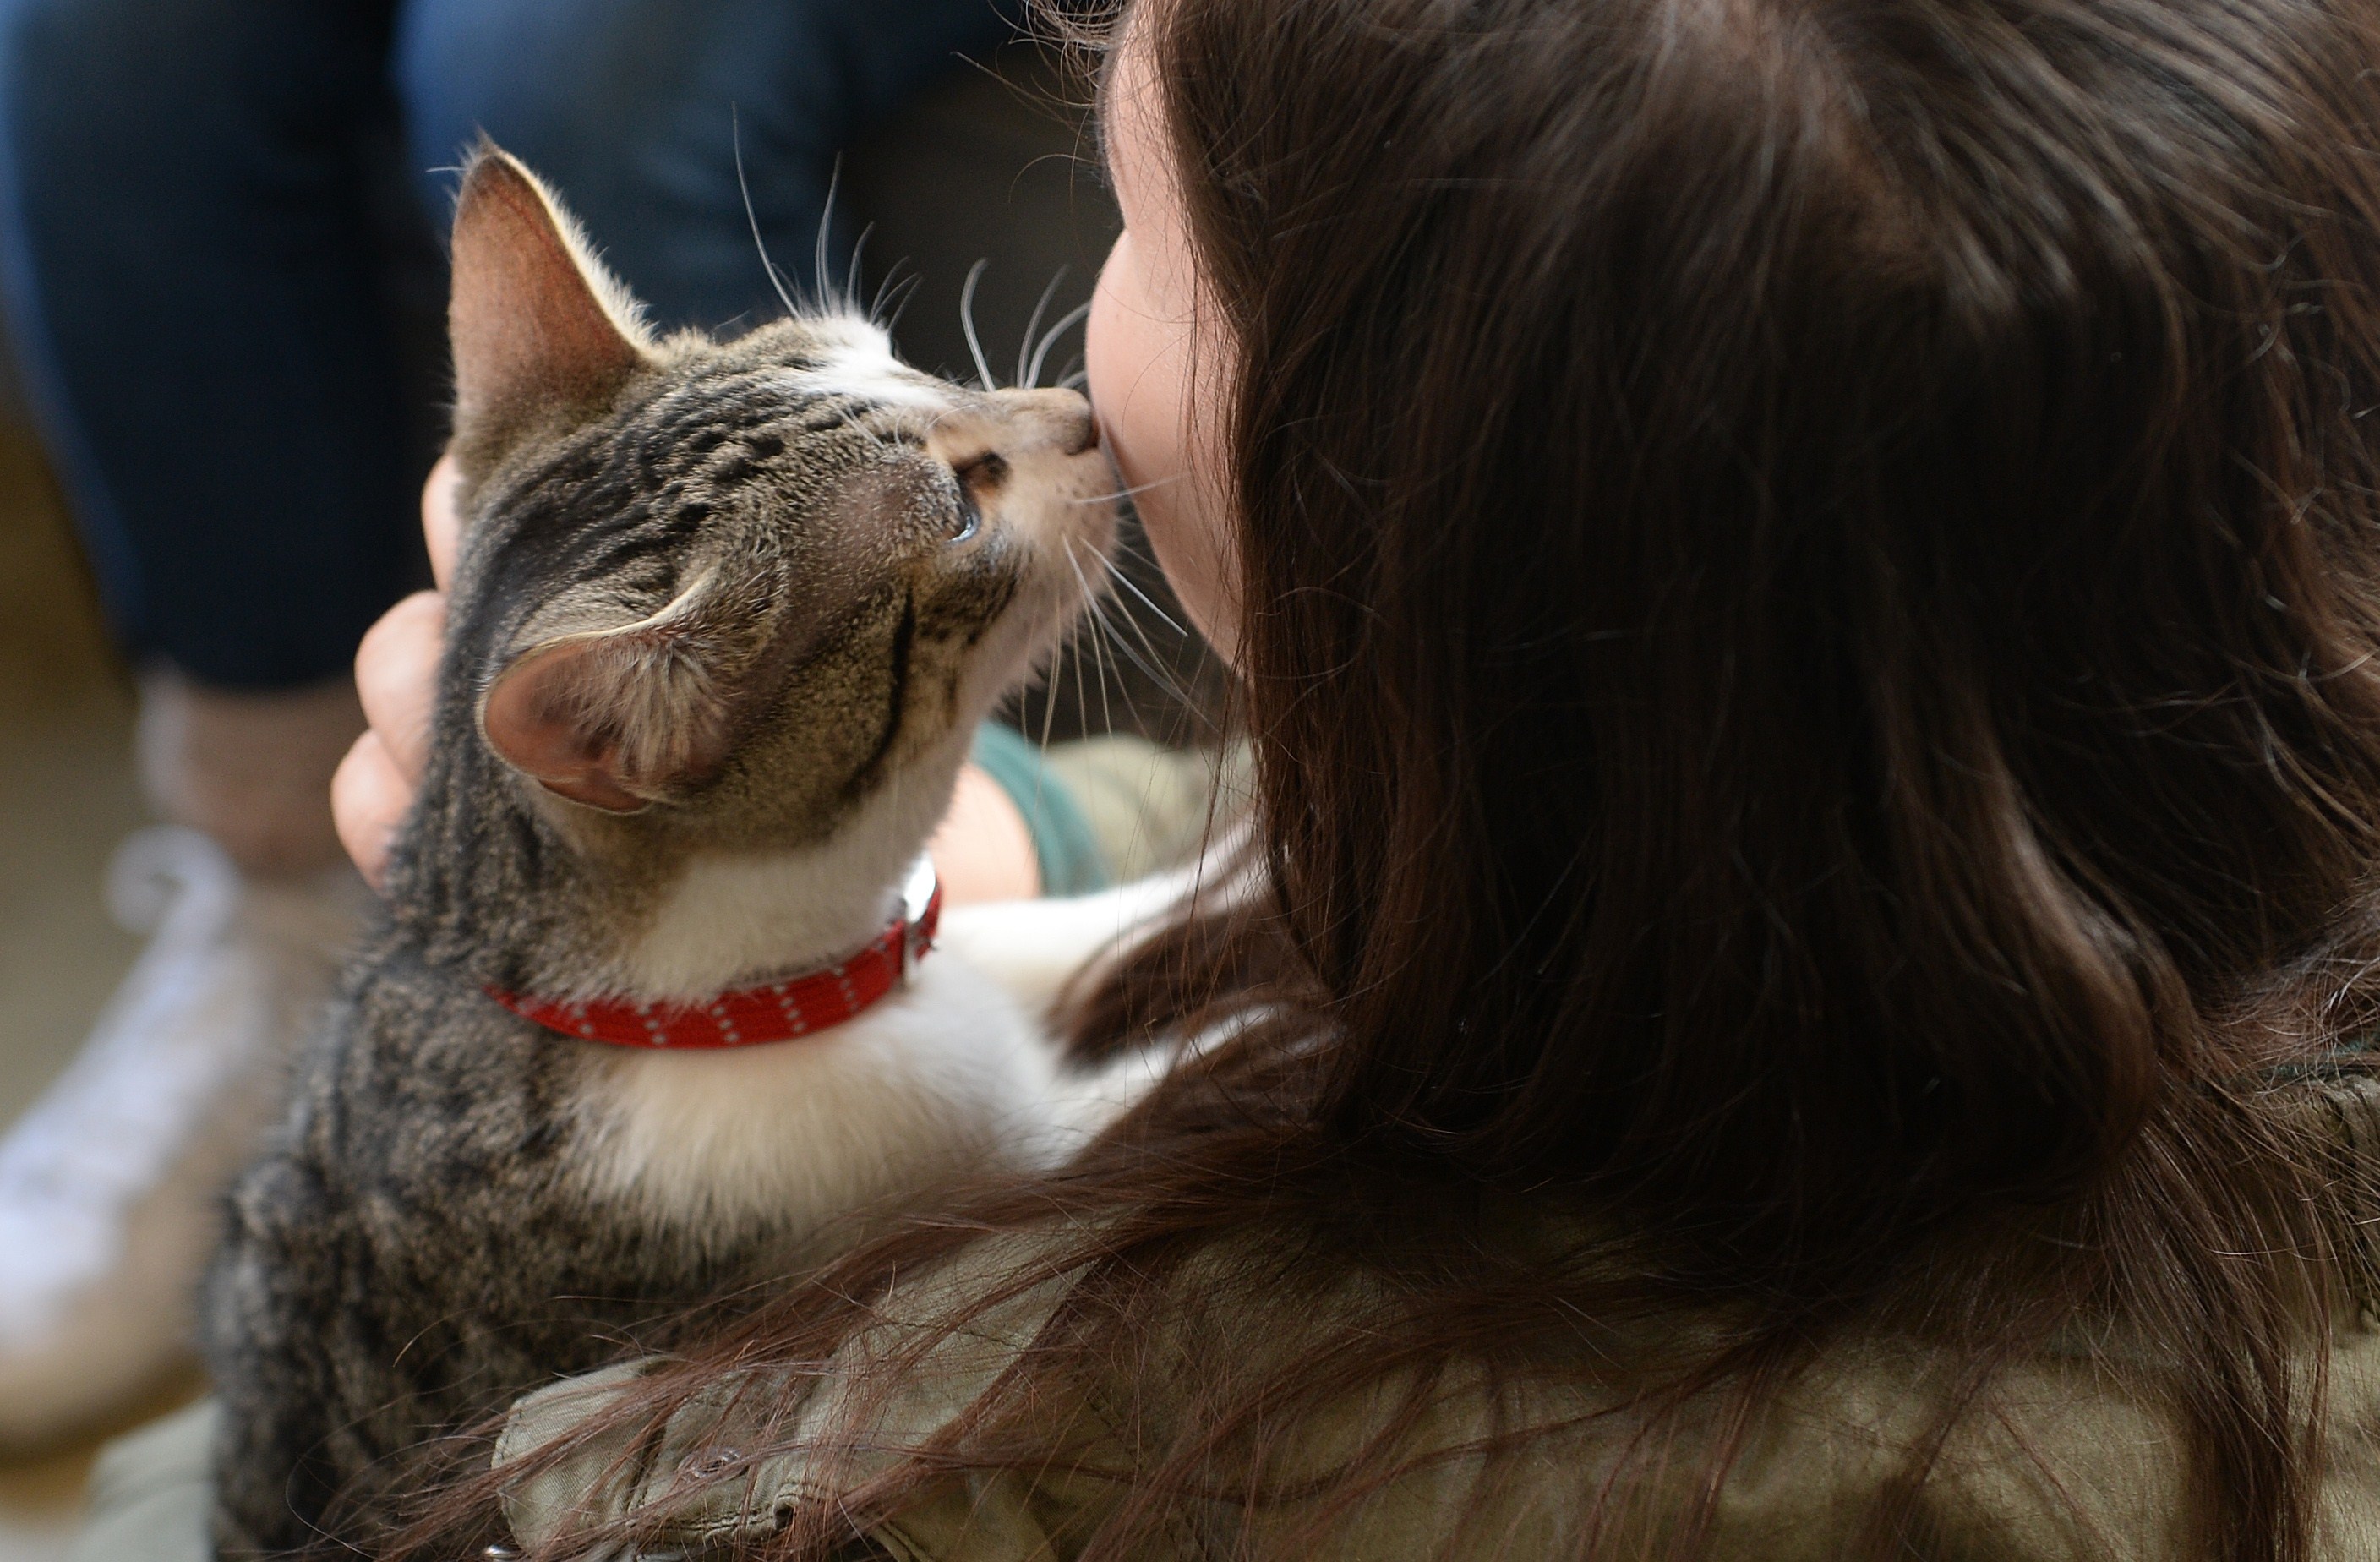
<point x="212" y="214"/>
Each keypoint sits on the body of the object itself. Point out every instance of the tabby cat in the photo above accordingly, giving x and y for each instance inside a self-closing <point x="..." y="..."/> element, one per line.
<point x="725" y="619"/>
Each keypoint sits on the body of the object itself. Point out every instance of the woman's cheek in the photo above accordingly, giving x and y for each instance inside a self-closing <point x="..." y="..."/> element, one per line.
<point x="1137" y="404"/>
<point x="1138" y="354"/>
<point x="1194" y="547"/>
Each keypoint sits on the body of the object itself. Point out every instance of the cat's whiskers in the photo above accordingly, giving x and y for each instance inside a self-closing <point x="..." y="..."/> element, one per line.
<point x="1148" y="655"/>
<point x="1065" y="321"/>
<point x="1024" y="343"/>
<point x="776" y="277"/>
<point x="966" y="324"/>
<point x="1074" y="665"/>
<point x="1147" y="663"/>
<point x="900" y="294"/>
<point x="1099" y="637"/>
<point x="1092" y="627"/>
<point x="850" y="302"/>
<point x="1048" y="712"/>
<point x="1129" y="585"/>
<point x="1041" y="352"/>
<point x="1099" y="605"/>
<point x="1098" y="626"/>
<point x="820" y="276"/>
<point x="1115" y="495"/>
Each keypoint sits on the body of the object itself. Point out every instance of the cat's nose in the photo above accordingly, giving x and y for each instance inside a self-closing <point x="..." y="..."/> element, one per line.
<point x="1062" y="417"/>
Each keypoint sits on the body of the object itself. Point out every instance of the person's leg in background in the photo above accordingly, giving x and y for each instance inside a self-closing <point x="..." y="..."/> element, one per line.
<point x="197" y="279"/>
<point x="635" y="112"/>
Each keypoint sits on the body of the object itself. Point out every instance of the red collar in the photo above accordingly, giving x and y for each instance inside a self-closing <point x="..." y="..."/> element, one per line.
<point x="795" y="1005"/>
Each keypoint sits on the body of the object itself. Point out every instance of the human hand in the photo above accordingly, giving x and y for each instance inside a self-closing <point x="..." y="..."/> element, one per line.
<point x="396" y="676"/>
<point x="983" y="851"/>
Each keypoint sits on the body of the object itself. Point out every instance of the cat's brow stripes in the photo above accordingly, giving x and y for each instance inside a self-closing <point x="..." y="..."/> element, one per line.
<point x="755" y="406"/>
<point x="633" y="495"/>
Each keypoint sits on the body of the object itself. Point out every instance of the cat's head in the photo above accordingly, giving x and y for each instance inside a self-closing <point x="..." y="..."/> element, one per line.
<point x="726" y="599"/>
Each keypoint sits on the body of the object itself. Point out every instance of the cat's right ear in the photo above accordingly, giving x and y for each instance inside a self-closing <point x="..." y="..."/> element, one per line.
<point x="619" y="719"/>
<point x="537" y="325"/>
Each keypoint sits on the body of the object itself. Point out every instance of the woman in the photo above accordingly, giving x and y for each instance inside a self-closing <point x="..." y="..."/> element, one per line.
<point x="1804" y="582"/>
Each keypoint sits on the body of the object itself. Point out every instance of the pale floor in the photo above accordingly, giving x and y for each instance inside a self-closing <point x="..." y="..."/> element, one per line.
<point x="66" y="797"/>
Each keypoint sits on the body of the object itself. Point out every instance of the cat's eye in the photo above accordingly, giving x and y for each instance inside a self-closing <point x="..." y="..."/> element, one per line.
<point x="980" y="476"/>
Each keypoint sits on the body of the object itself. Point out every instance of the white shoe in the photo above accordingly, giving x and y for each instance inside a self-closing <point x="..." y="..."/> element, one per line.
<point x="110" y="1186"/>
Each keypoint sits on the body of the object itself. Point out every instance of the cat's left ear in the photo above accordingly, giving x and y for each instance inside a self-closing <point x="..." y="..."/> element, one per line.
<point x="537" y="325"/>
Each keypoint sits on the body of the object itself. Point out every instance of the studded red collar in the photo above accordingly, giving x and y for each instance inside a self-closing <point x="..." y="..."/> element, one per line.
<point x="776" y="1011"/>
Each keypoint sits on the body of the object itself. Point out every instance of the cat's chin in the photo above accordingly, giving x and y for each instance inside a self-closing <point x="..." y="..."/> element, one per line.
<point x="728" y="919"/>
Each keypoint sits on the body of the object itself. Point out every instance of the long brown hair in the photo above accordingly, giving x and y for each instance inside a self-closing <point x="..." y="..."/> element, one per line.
<point x="1811" y="579"/>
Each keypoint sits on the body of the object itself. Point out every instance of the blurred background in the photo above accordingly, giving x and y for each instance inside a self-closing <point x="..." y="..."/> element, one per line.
<point x="991" y="164"/>
<point x="67" y="798"/>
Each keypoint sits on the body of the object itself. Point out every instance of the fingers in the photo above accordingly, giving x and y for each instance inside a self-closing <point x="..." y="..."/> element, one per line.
<point x="440" y="526"/>
<point x="368" y="798"/>
<point x="396" y="676"/>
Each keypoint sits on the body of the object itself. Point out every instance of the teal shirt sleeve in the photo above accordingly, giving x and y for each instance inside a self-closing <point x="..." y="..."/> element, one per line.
<point x="1063" y="843"/>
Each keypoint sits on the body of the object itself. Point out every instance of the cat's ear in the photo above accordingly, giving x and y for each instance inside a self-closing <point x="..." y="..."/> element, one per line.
<point x="537" y="323"/>
<point x="619" y="719"/>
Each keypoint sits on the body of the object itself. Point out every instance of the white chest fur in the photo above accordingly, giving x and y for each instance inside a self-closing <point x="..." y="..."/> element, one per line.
<point x="955" y="1072"/>
<point x="942" y="1077"/>
<point x="727" y="920"/>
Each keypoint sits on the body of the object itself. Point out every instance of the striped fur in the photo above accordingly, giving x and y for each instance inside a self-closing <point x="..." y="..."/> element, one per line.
<point x="717" y="642"/>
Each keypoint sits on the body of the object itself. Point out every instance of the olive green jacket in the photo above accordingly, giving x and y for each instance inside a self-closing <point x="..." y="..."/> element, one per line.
<point x="2077" y="1458"/>
<point x="2074" y="1459"/>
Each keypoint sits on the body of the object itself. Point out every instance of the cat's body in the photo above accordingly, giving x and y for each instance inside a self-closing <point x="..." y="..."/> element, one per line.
<point x="468" y="1206"/>
<point x="724" y="622"/>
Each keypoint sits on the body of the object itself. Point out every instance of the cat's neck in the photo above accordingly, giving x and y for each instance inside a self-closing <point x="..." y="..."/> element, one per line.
<point x="489" y="888"/>
<point x="728" y="922"/>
